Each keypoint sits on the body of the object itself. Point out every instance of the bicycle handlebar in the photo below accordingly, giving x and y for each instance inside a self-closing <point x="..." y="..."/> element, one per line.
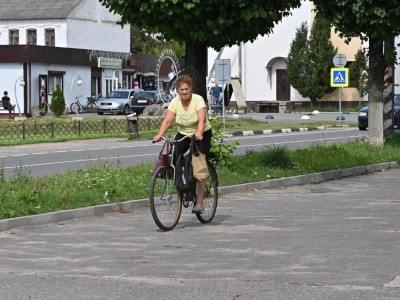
<point x="177" y="141"/>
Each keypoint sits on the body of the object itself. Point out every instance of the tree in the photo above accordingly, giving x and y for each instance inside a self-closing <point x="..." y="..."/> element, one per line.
<point x="202" y="24"/>
<point x="146" y="43"/>
<point x="321" y="58"/>
<point x="310" y="60"/>
<point x="298" y="67"/>
<point x="57" y="104"/>
<point x="357" y="71"/>
<point x="375" y="21"/>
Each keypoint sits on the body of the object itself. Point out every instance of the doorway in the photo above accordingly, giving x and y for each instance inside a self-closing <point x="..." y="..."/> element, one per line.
<point x="282" y="85"/>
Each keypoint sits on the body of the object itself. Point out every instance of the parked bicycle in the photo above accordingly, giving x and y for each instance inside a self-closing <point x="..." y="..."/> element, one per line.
<point x="90" y="105"/>
<point x="166" y="201"/>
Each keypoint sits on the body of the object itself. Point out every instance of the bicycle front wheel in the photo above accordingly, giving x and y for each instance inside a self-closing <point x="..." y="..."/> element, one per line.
<point x="75" y="107"/>
<point x="210" y="196"/>
<point x="165" y="200"/>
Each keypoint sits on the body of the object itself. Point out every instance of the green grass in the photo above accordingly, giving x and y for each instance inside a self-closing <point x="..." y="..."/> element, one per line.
<point x="102" y="183"/>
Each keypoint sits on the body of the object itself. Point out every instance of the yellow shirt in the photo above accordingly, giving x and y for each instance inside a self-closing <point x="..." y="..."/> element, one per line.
<point x="186" y="118"/>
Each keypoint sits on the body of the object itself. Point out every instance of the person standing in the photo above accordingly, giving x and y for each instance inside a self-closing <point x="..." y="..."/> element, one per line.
<point x="7" y="103"/>
<point x="216" y="92"/>
<point x="189" y="112"/>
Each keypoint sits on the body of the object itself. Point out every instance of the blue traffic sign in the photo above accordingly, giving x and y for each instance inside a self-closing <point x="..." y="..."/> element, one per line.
<point x="339" y="77"/>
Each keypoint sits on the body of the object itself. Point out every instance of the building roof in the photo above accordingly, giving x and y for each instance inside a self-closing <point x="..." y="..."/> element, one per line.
<point x="36" y="10"/>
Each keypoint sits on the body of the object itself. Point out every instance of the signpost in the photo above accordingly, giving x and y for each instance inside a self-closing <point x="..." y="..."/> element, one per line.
<point x="222" y="77"/>
<point x="340" y="77"/>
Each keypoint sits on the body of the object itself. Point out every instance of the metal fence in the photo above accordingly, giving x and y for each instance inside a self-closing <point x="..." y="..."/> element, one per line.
<point x="47" y="129"/>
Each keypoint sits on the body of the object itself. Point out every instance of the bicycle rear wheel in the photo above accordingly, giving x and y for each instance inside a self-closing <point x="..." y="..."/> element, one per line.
<point x="210" y="196"/>
<point x="165" y="200"/>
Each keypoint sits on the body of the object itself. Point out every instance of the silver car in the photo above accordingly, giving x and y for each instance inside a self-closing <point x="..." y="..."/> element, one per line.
<point x="116" y="102"/>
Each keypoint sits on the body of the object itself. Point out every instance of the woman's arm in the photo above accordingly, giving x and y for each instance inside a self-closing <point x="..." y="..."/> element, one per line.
<point x="201" y="115"/>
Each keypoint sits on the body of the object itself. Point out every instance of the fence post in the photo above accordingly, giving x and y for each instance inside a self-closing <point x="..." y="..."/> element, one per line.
<point x="104" y="126"/>
<point x="52" y="129"/>
<point x="23" y="130"/>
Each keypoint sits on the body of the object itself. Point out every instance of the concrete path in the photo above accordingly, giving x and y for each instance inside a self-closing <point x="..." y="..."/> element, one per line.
<point x="334" y="240"/>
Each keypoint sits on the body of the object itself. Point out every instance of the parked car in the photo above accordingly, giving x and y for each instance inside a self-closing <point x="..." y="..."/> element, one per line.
<point x="143" y="99"/>
<point x="363" y="114"/>
<point x="116" y="102"/>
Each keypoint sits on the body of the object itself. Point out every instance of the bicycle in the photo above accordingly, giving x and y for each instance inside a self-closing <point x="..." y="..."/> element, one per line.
<point x="166" y="201"/>
<point x="77" y="106"/>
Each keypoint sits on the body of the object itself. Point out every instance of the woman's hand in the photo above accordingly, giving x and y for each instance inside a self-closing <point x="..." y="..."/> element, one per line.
<point x="198" y="136"/>
<point x="156" y="138"/>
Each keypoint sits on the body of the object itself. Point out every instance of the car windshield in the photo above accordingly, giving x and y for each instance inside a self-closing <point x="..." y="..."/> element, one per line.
<point x="145" y="95"/>
<point x="118" y="94"/>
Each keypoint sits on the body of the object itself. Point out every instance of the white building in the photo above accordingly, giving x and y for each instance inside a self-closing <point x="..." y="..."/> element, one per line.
<point x="47" y="43"/>
<point x="261" y="65"/>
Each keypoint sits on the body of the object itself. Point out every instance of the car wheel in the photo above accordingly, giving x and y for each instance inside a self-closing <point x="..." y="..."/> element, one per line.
<point x="362" y="128"/>
<point x="100" y="113"/>
<point x="126" y="110"/>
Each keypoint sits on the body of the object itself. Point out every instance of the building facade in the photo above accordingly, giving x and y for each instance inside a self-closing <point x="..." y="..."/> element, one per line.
<point x="261" y="65"/>
<point x="75" y="44"/>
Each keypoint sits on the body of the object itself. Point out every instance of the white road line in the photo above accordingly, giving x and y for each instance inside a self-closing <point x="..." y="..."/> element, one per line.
<point x="81" y="160"/>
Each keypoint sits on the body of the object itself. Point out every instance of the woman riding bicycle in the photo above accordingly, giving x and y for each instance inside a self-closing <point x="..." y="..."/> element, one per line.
<point x="189" y="112"/>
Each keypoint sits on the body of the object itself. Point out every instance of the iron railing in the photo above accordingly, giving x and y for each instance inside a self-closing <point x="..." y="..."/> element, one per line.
<point x="47" y="129"/>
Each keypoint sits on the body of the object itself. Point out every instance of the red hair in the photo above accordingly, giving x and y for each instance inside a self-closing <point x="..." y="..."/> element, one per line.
<point x="184" y="79"/>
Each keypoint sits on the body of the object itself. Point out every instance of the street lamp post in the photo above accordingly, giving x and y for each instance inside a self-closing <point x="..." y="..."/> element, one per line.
<point x="78" y="82"/>
<point x="21" y="82"/>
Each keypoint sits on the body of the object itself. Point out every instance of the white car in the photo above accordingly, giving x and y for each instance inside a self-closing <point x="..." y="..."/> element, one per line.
<point x="116" y="102"/>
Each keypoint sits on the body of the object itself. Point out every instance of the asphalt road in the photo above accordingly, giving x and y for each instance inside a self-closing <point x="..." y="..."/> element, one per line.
<point x="334" y="240"/>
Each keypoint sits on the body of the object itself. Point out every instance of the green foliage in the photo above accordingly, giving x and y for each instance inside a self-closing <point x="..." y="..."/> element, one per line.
<point x="102" y="183"/>
<point x="224" y="152"/>
<point x="203" y="23"/>
<point x="377" y="22"/>
<point x="298" y="66"/>
<point x="146" y="43"/>
<point x="57" y="104"/>
<point x="321" y="56"/>
<point x="357" y="71"/>
<point x="310" y="60"/>
<point x="278" y="157"/>
<point x="364" y="18"/>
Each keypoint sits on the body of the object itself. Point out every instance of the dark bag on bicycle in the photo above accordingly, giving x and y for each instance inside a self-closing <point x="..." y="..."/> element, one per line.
<point x="183" y="172"/>
<point x="164" y="159"/>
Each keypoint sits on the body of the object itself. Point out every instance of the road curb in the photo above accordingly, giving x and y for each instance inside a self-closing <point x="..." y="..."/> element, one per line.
<point x="272" y="131"/>
<point x="61" y="216"/>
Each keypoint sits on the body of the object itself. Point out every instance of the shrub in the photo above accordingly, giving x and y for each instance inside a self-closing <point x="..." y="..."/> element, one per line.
<point x="57" y="105"/>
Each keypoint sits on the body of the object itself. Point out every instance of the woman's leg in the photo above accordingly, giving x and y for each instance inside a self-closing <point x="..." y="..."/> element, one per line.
<point x="204" y="147"/>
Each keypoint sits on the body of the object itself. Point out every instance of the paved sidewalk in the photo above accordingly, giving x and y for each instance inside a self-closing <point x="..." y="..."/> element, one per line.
<point x="338" y="239"/>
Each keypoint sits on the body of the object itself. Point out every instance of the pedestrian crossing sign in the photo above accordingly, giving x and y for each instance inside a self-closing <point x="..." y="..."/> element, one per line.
<point x="339" y="77"/>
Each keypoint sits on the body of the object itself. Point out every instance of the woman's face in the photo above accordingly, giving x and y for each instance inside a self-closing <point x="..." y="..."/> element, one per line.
<point x="184" y="91"/>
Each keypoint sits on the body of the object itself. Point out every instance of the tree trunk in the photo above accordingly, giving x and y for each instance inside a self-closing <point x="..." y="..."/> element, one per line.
<point x="375" y="96"/>
<point x="388" y="90"/>
<point x="196" y="61"/>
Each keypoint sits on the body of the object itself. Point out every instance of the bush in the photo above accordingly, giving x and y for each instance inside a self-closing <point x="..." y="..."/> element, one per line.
<point x="57" y="105"/>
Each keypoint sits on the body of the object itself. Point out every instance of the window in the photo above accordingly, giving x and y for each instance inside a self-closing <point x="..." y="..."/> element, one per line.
<point x="50" y="38"/>
<point x="31" y="36"/>
<point x="55" y="78"/>
<point x="14" y="37"/>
